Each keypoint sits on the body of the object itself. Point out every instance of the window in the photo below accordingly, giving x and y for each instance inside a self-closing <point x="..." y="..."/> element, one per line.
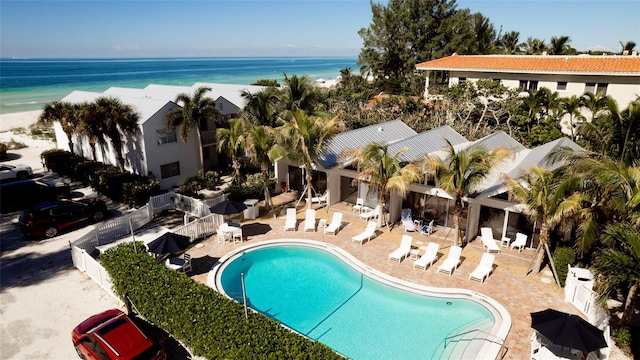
<point x="169" y="170"/>
<point x="166" y="136"/>
<point x="596" y="88"/>
<point x="461" y="80"/>
<point x="528" y="85"/>
<point x="497" y="81"/>
<point x="562" y="86"/>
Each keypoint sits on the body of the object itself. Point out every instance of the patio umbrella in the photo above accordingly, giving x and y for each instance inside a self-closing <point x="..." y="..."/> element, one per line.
<point x="168" y="243"/>
<point x="228" y="207"/>
<point x="568" y="330"/>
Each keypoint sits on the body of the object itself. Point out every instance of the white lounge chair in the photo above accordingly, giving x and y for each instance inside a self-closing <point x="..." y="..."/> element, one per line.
<point x="402" y="251"/>
<point x="485" y="268"/>
<point x="430" y="256"/>
<point x="290" y="222"/>
<point x="452" y="261"/>
<point x="370" y="215"/>
<point x="488" y="241"/>
<point x="359" y="205"/>
<point x="334" y="226"/>
<point x="520" y="242"/>
<point x="367" y="234"/>
<point x="407" y="220"/>
<point x="320" y="199"/>
<point x="428" y="229"/>
<point x="310" y="220"/>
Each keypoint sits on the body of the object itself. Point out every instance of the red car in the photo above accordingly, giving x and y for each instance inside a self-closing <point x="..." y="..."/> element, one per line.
<point x="47" y="219"/>
<point x="113" y="335"/>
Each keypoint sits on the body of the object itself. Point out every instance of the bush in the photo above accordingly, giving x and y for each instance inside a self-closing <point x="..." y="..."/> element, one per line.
<point x="252" y="189"/>
<point x="208" y="323"/>
<point x="3" y="151"/>
<point x="562" y="258"/>
<point x="193" y="184"/>
<point x="622" y="338"/>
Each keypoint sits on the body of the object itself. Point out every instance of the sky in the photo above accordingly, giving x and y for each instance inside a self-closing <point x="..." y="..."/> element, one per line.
<point x="164" y="28"/>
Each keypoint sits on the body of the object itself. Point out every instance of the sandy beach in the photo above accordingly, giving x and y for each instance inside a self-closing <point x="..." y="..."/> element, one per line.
<point x="18" y="120"/>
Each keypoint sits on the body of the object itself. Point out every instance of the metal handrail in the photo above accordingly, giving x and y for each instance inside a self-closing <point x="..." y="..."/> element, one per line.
<point x="498" y="340"/>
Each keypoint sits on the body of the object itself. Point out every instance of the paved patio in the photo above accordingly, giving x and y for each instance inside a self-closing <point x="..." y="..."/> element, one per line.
<point x="518" y="293"/>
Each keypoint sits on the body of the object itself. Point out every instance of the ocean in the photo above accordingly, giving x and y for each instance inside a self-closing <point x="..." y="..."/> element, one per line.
<point x="28" y="84"/>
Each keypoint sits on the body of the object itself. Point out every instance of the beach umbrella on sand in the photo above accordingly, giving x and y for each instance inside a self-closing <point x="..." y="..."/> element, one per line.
<point x="168" y="243"/>
<point x="568" y="330"/>
<point x="228" y="207"/>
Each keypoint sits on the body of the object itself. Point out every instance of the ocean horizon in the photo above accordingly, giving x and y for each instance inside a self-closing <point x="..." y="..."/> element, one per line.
<point x="27" y="84"/>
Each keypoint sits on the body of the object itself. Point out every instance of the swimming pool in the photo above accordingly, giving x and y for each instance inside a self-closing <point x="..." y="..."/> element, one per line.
<point x="323" y="293"/>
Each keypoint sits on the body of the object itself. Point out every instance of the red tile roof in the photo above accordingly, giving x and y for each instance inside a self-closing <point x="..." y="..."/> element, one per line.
<point x="582" y="64"/>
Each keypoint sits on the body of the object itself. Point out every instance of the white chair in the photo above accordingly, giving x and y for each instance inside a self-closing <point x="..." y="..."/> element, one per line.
<point x="428" y="229"/>
<point x="367" y="234"/>
<point x="334" y="226"/>
<point x="310" y="220"/>
<point x="488" y="241"/>
<point x="402" y="251"/>
<point x="520" y="242"/>
<point x="290" y="222"/>
<point x="370" y="215"/>
<point x="237" y="234"/>
<point x="407" y="220"/>
<point x="359" y="205"/>
<point x="320" y="199"/>
<point x="183" y="265"/>
<point x="452" y="261"/>
<point x="430" y="256"/>
<point x="485" y="268"/>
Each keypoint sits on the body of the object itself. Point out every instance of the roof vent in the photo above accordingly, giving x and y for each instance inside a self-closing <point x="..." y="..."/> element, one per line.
<point x="544" y="53"/>
<point x="380" y="129"/>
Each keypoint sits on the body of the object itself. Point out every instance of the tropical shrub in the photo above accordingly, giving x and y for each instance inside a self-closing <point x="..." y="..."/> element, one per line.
<point x="3" y="151"/>
<point x="208" y="323"/>
<point x="562" y="258"/>
<point x="252" y="189"/>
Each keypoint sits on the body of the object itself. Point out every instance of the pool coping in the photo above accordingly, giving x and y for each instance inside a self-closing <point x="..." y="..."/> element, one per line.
<point x="489" y="349"/>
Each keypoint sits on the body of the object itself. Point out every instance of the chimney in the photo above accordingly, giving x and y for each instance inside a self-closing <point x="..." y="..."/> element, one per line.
<point x="544" y="53"/>
<point x="635" y="53"/>
<point x="625" y="52"/>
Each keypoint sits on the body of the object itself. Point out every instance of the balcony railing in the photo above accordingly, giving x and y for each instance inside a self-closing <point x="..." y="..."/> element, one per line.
<point x="208" y="137"/>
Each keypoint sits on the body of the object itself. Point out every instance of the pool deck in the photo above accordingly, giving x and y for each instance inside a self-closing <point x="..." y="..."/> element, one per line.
<point x="519" y="293"/>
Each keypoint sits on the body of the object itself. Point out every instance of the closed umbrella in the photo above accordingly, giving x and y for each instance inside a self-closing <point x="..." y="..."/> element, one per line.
<point x="168" y="243"/>
<point x="568" y="330"/>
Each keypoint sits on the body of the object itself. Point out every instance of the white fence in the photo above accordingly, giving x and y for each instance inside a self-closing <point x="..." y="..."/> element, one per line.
<point x="205" y="225"/>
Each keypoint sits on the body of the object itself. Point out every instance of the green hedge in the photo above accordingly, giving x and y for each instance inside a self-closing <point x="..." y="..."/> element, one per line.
<point x="562" y="258"/>
<point x="132" y="189"/>
<point x="208" y="323"/>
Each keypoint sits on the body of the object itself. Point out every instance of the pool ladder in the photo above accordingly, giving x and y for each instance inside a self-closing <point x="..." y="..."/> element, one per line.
<point x="482" y="336"/>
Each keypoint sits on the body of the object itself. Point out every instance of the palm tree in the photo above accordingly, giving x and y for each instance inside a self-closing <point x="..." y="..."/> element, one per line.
<point x="620" y="132"/>
<point x="596" y="103"/>
<point x="544" y="196"/>
<point x="460" y="172"/>
<point x="231" y="141"/>
<point x="617" y="266"/>
<point x="628" y="46"/>
<point x="383" y="171"/>
<point x="64" y="112"/>
<point x="571" y="107"/>
<point x="559" y="45"/>
<point x="262" y="107"/>
<point x="510" y="42"/>
<point x="260" y="141"/>
<point x="533" y="105"/>
<point x="91" y="126"/>
<point x="534" y="46"/>
<point x="300" y="93"/>
<point x="303" y="138"/>
<point x="195" y="111"/>
<point x="116" y="119"/>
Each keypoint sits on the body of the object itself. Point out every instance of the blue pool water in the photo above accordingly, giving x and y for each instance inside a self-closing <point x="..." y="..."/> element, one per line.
<point x="317" y="294"/>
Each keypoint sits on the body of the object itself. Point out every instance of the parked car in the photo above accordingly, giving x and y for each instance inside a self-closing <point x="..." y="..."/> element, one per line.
<point x="112" y="334"/>
<point x="19" y="195"/>
<point x="49" y="218"/>
<point x="15" y="172"/>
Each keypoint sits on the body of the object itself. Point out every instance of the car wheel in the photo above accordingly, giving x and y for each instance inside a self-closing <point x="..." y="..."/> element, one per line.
<point x="79" y="353"/>
<point x="98" y="216"/>
<point x="22" y="176"/>
<point x="51" y="231"/>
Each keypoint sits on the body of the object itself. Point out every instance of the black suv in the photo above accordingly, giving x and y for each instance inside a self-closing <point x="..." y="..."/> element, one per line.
<point x="47" y="219"/>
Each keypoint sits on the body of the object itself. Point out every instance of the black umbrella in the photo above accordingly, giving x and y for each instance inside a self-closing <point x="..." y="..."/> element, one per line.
<point x="228" y="207"/>
<point x="168" y="243"/>
<point x="568" y="330"/>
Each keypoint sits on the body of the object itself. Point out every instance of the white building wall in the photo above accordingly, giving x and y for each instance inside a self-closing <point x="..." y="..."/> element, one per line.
<point x="185" y="153"/>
